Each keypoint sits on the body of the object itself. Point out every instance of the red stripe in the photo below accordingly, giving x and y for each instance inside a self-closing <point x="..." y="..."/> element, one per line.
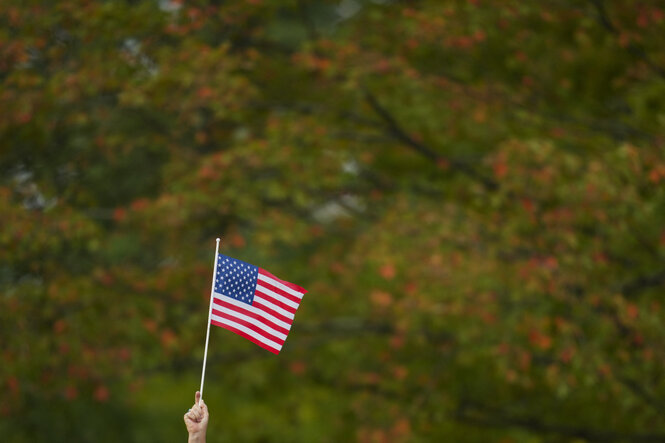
<point x="290" y="285"/>
<point x="242" y="334"/>
<point x="247" y="324"/>
<point x="250" y="313"/>
<point x="276" y="302"/>
<point x="261" y="306"/>
<point x="281" y="292"/>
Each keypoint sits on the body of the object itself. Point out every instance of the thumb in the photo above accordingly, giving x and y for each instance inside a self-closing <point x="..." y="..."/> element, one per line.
<point x="197" y="397"/>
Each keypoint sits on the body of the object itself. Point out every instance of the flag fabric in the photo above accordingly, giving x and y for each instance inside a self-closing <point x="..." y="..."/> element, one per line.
<point x="253" y="303"/>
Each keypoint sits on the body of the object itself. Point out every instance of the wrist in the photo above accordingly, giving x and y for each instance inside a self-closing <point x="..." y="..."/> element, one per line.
<point x="197" y="437"/>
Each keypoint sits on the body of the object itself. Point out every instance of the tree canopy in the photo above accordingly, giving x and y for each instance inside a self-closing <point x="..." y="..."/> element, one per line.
<point x="472" y="192"/>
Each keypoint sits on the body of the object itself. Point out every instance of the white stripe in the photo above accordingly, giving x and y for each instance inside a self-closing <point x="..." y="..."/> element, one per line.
<point x="249" y="332"/>
<point x="280" y="285"/>
<point x="277" y="296"/>
<point x="261" y="312"/>
<point x="254" y="321"/>
<point x="274" y="307"/>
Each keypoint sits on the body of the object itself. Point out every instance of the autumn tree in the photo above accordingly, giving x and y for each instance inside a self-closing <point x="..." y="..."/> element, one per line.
<point x="471" y="191"/>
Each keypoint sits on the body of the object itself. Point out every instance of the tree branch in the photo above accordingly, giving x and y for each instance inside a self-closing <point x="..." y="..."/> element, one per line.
<point x="637" y="51"/>
<point x="395" y="130"/>
<point x="643" y="282"/>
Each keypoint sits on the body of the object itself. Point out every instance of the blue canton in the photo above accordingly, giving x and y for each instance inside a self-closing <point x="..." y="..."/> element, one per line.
<point x="236" y="279"/>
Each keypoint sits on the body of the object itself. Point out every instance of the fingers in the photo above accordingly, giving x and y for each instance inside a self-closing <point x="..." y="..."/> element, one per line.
<point x="195" y="414"/>
<point x="196" y="410"/>
<point x="199" y="411"/>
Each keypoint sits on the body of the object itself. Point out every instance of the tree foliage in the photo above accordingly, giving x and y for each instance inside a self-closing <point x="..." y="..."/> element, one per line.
<point x="472" y="191"/>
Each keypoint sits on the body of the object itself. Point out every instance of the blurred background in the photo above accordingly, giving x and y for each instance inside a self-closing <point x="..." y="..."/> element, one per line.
<point x="472" y="191"/>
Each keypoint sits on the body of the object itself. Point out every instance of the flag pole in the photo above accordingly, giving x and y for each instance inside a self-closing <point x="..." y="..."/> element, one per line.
<point x="212" y="290"/>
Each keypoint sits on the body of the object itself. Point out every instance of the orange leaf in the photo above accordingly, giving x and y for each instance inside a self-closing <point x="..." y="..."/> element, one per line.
<point x="387" y="271"/>
<point x="381" y="298"/>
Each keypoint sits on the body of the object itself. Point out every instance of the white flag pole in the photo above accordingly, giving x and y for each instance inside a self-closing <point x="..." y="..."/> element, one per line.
<point x="212" y="290"/>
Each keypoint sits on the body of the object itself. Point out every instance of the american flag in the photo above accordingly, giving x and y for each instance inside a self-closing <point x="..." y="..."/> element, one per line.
<point x="253" y="303"/>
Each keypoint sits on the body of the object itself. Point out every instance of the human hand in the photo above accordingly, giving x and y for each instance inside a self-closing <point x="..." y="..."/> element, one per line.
<point x="196" y="420"/>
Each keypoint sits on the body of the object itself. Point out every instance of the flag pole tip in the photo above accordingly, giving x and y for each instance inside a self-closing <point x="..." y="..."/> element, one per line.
<point x="217" y="239"/>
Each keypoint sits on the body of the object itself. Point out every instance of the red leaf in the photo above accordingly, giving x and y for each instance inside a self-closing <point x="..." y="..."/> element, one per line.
<point x="71" y="392"/>
<point x="119" y="214"/>
<point x="101" y="393"/>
